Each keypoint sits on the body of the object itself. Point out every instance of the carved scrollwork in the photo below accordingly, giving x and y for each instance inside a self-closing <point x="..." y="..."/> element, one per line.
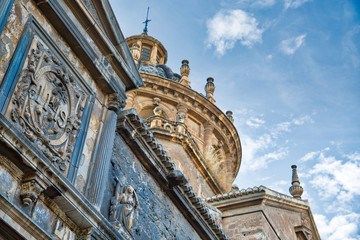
<point x="47" y="105"/>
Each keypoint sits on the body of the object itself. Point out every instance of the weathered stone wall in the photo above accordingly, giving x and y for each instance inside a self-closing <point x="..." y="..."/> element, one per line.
<point x="283" y="220"/>
<point x="249" y="226"/>
<point x="265" y="221"/>
<point x="186" y="165"/>
<point x="156" y="217"/>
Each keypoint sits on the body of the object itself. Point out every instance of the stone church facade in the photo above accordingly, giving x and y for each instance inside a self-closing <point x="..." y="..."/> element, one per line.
<point x="95" y="145"/>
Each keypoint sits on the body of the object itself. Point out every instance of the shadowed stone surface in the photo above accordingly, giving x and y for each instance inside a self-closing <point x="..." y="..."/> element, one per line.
<point x="156" y="217"/>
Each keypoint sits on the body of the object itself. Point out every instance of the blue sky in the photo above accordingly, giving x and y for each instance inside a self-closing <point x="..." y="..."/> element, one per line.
<point x="290" y="72"/>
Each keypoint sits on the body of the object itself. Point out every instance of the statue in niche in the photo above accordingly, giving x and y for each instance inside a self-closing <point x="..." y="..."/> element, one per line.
<point x="123" y="206"/>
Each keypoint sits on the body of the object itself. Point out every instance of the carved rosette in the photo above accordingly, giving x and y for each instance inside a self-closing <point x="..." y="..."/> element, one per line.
<point x="47" y="105"/>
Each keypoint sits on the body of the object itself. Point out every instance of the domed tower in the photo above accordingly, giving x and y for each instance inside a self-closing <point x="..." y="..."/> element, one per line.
<point x="147" y="49"/>
<point x="200" y="139"/>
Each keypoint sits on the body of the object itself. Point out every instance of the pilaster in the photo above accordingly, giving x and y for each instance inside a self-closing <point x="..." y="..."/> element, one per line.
<point x="104" y="151"/>
<point x="208" y="131"/>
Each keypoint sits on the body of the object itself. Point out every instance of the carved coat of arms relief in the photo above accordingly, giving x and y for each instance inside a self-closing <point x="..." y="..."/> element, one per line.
<point x="48" y="104"/>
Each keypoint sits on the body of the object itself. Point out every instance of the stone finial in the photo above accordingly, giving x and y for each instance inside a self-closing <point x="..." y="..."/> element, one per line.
<point x="135" y="51"/>
<point x="210" y="89"/>
<point x="185" y="71"/>
<point x="229" y="114"/>
<point x="295" y="190"/>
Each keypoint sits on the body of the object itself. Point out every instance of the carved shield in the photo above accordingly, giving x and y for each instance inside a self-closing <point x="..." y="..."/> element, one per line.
<point x="47" y="104"/>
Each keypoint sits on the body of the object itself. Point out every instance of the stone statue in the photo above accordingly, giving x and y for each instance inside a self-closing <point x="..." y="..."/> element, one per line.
<point x="123" y="206"/>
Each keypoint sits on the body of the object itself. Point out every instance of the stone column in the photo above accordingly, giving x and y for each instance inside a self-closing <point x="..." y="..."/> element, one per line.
<point x="104" y="151"/>
<point x="208" y="131"/>
<point x="180" y="117"/>
<point x="153" y="55"/>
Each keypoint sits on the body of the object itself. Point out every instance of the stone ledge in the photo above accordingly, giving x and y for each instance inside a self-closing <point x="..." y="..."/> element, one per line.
<point x="255" y="191"/>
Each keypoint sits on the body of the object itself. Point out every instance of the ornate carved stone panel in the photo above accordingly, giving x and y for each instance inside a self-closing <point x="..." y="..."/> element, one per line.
<point x="48" y="104"/>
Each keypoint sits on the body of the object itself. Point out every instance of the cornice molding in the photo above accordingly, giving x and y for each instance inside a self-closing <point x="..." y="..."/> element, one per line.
<point x="66" y="27"/>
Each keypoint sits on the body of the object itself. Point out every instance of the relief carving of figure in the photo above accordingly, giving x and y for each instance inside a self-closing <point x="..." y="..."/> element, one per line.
<point x="123" y="206"/>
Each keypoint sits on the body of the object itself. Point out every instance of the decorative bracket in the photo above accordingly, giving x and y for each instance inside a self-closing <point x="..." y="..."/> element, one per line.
<point x="115" y="102"/>
<point x="31" y="188"/>
<point x="176" y="178"/>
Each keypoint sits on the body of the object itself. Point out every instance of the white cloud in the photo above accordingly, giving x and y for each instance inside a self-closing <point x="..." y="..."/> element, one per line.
<point x="309" y="156"/>
<point x="259" y="152"/>
<point x="312" y="155"/>
<point x="281" y="186"/>
<point x="269" y="56"/>
<point x="302" y="120"/>
<point x="336" y="178"/>
<point x="289" y="46"/>
<point x="228" y="27"/>
<point x="258" y="3"/>
<point x="340" y="227"/>
<point x="254" y="157"/>
<point x="354" y="157"/>
<point x="286" y="126"/>
<point x="294" y="3"/>
<point x="254" y="122"/>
